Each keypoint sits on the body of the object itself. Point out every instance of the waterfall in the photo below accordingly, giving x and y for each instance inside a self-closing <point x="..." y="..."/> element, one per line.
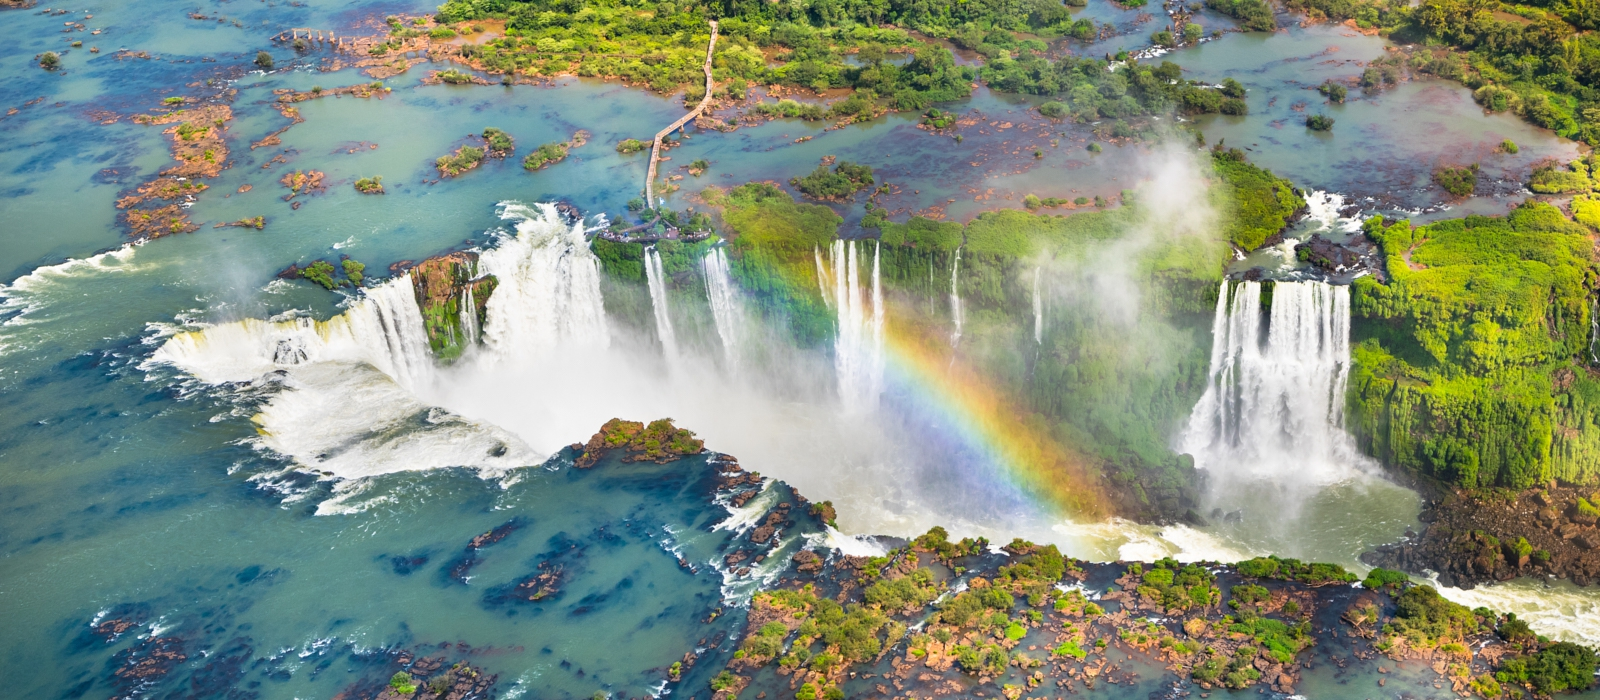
<point x="822" y="278"/>
<point x="376" y="356"/>
<point x="383" y="329"/>
<point x="858" y="347"/>
<point x="469" y="317"/>
<point x="1038" y="310"/>
<point x="955" y="300"/>
<point x="1274" y="405"/>
<point x="1594" y="330"/>
<point x="725" y="310"/>
<point x="548" y="287"/>
<point x="656" y="280"/>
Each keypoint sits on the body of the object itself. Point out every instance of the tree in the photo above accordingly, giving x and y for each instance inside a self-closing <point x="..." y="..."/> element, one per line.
<point x="264" y="60"/>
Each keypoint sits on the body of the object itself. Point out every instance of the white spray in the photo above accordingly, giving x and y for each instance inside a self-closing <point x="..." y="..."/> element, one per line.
<point x="858" y="347"/>
<point x="548" y="287"/>
<point x="955" y="300"/>
<point x="655" y="279"/>
<point x="725" y="309"/>
<point x="1038" y="309"/>
<point x="1274" y="410"/>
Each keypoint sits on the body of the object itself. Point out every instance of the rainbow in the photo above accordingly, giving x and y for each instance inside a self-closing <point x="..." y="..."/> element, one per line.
<point x="1013" y="443"/>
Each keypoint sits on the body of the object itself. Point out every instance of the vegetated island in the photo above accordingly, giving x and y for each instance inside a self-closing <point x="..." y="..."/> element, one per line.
<point x="201" y="151"/>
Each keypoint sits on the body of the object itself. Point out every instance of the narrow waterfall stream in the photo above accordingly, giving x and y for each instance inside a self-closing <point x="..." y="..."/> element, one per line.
<point x="655" y="279"/>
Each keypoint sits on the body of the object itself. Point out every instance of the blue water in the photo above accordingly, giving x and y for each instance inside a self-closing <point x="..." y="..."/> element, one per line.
<point x="134" y="495"/>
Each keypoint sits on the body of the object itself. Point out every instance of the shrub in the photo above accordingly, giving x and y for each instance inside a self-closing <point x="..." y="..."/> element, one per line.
<point x="1234" y="107"/>
<point x="545" y="156"/>
<point x="1070" y="648"/>
<point x="845" y="180"/>
<point x="321" y="273"/>
<point x="1335" y="92"/>
<point x="464" y="159"/>
<point x="353" y="270"/>
<point x="370" y="185"/>
<point x="1094" y="147"/>
<point x="264" y="60"/>
<point x="1509" y="146"/>
<point x="632" y="146"/>
<point x="1163" y="38"/>
<point x="1254" y="15"/>
<point x="442" y="33"/>
<point x="402" y="683"/>
<point x="1380" y="578"/>
<point x="455" y="77"/>
<point x="1587" y="509"/>
<point x="1549" y="177"/>
<point x="1556" y="668"/>
<point x="1232" y="88"/>
<point x="1457" y="181"/>
<point x="722" y="681"/>
<point x="49" y="60"/>
<point x="1192" y="32"/>
<point x="500" y="143"/>
<point x="1053" y="110"/>
<point x="1319" y="122"/>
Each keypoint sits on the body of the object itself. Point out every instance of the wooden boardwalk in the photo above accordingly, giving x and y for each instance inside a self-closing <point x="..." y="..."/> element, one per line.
<point x="655" y="149"/>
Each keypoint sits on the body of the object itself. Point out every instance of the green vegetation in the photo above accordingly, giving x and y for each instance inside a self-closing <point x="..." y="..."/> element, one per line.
<point x="1335" y="92"/>
<point x="1091" y="93"/>
<point x="1464" y="376"/>
<point x="324" y="274"/>
<point x="545" y="156"/>
<point x="1549" y="177"/>
<point x="844" y="181"/>
<point x="1378" y="579"/>
<point x="1248" y="594"/>
<point x="499" y="143"/>
<point x="263" y="60"/>
<point x="1230" y="670"/>
<point x="49" y="60"/>
<point x="1556" y="668"/>
<point x="1319" y="122"/>
<point x="1260" y="203"/>
<point x="1310" y="573"/>
<point x="1509" y="146"/>
<point x="772" y="241"/>
<point x="660" y="441"/>
<point x="353" y="270"/>
<point x="790" y="109"/>
<point x="452" y="76"/>
<point x="1253" y="15"/>
<point x="321" y="272"/>
<point x="172" y="101"/>
<point x="1539" y="60"/>
<point x="370" y="185"/>
<point x="627" y="146"/>
<point x="1178" y="587"/>
<point x="1425" y="620"/>
<point x="1276" y="639"/>
<point x="1457" y="181"/>
<point x="464" y="159"/>
<point x="401" y="683"/>
<point x="1586" y="210"/>
<point x="663" y="46"/>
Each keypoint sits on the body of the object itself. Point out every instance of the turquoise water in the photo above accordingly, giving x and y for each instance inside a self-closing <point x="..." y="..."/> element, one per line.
<point x="130" y="492"/>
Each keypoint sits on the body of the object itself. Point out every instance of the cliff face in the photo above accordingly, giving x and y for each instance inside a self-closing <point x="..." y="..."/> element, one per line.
<point x="446" y="286"/>
<point x="1472" y="365"/>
